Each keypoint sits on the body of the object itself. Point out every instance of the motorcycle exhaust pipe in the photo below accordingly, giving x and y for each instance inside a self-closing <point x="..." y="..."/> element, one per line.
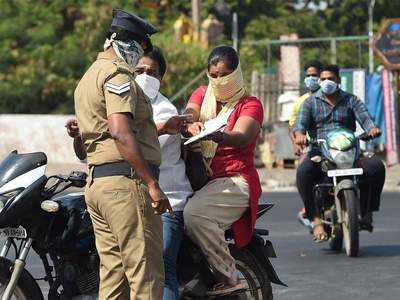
<point x="19" y="266"/>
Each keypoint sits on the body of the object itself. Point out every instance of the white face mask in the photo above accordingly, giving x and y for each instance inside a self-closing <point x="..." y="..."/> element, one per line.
<point x="149" y="84"/>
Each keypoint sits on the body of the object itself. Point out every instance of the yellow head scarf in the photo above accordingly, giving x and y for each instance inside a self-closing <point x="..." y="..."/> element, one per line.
<point x="229" y="90"/>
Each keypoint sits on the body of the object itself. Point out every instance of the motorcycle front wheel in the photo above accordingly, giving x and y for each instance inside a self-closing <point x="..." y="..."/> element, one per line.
<point x="350" y="223"/>
<point x="257" y="280"/>
<point x="26" y="289"/>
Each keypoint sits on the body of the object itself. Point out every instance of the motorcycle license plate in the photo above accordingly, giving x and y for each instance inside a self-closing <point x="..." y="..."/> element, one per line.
<point x="19" y="233"/>
<point x="345" y="172"/>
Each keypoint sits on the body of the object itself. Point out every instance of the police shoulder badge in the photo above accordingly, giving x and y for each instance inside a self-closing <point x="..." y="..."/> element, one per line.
<point x="118" y="89"/>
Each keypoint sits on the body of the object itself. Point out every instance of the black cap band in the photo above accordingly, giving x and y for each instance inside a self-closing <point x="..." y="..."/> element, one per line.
<point x="132" y="23"/>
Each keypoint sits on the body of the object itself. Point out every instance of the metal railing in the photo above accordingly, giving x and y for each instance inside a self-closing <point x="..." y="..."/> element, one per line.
<point x="187" y="86"/>
<point x="307" y="40"/>
<point x="312" y="42"/>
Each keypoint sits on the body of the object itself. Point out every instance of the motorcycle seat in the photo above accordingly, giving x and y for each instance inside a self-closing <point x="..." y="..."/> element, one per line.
<point x="262" y="209"/>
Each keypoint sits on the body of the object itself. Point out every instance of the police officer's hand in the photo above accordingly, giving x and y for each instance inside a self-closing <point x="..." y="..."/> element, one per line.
<point x="72" y="128"/>
<point x="159" y="201"/>
<point x="175" y="124"/>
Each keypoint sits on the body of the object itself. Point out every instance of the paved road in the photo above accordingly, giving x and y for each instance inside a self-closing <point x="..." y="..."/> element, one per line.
<point x="312" y="272"/>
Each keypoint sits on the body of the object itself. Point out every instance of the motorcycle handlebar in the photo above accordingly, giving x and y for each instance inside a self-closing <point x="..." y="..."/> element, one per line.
<point x="363" y="137"/>
<point x="75" y="178"/>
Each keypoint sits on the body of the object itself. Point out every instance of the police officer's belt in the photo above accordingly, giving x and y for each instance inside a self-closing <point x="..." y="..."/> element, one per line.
<point x="120" y="168"/>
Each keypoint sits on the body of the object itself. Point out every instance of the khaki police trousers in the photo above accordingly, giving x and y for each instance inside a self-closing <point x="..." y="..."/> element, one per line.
<point x="128" y="239"/>
<point x="210" y="212"/>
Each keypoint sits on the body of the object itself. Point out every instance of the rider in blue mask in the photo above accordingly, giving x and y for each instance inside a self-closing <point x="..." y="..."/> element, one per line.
<point x="329" y="108"/>
<point x="311" y="83"/>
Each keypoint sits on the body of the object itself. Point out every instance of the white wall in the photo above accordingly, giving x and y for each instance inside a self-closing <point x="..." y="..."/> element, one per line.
<point x="32" y="133"/>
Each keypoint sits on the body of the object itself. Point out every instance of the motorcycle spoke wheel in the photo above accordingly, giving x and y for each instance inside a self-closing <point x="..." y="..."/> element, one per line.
<point x="256" y="278"/>
<point x="253" y="290"/>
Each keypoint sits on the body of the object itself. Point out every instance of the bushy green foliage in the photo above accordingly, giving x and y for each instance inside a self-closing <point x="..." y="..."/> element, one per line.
<point x="185" y="61"/>
<point x="46" y="45"/>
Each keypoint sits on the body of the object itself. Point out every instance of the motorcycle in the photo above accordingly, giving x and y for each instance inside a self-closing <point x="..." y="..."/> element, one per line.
<point x="337" y="195"/>
<point x="34" y="214"/>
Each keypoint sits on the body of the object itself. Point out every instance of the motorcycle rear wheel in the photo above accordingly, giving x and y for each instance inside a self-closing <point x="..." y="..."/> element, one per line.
<point x="257" y="280"/>
<point x="350" y="223"/>
<point x="26" y="289"/>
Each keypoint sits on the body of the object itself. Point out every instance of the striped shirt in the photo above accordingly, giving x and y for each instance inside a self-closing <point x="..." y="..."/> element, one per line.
<point x="317" y="116"/>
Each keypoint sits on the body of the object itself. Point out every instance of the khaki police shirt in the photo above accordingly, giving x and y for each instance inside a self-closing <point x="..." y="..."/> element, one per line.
<point x="108" y="87"/>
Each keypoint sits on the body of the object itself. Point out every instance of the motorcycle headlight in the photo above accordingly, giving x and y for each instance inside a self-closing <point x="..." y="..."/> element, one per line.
<point x="7" y="196"/>
<point x="343" y="159"/>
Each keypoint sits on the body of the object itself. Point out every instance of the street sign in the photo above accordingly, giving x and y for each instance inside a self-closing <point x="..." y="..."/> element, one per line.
<point x="387" y="44"/>
<point x="353" y="81"/>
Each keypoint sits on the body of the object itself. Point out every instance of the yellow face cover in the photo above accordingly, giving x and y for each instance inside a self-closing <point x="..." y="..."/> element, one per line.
<point x="228" y="88"/>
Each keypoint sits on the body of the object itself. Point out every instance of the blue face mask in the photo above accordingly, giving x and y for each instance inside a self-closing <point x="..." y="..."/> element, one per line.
<point x="311" y="83"/>
<point x="328" y="87"/>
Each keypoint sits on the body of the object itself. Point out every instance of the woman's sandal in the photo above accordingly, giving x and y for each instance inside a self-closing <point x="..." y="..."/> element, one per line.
<point x="322" y="237"/>
<point x="222" y="288"/>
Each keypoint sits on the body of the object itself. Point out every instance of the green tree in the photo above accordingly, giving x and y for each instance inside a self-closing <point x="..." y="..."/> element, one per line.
<point x="46" y="46"/>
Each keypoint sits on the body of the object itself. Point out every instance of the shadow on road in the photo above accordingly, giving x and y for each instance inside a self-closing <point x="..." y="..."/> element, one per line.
<point x="380" y="251"/>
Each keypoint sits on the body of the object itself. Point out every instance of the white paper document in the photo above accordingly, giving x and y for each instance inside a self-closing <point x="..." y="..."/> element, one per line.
<point x="210" y="126"/>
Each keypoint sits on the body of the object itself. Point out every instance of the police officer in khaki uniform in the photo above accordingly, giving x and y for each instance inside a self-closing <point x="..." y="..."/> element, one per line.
<point x="120" y="138"/>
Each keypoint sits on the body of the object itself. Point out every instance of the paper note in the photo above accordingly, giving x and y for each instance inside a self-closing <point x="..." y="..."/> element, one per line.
<point x="210" y="126"/>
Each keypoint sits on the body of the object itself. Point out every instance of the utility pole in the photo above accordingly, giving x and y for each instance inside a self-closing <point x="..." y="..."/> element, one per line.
<point x="235" y="31"/>
<point x="333" y="51"/>
<point x="196" y="19"/>
<point x="371" y="35"/>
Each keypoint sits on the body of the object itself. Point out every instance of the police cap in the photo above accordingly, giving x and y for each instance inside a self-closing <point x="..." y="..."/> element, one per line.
<point x="132" y="23"/>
